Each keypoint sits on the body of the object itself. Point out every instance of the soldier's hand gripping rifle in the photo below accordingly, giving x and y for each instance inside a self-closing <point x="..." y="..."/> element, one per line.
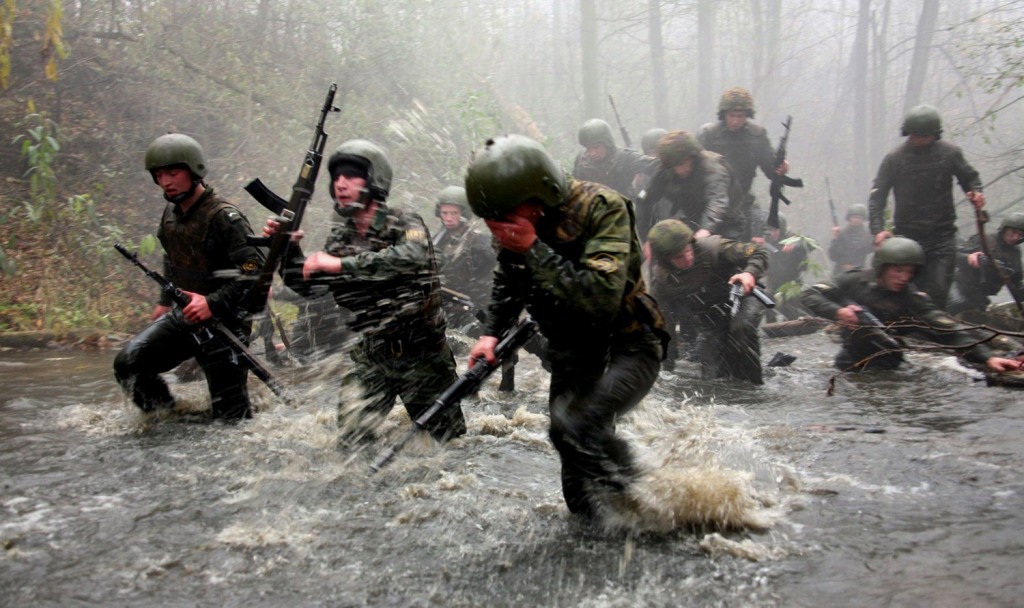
<point x="466" y="385"/>
<point x="873" y="324"/>
<point x="780" y="181"/>
<point x="622" y="128"/>
<point x="289" y="212"/>
<point x="211" y="331"/>
<point x="736" y="296"/>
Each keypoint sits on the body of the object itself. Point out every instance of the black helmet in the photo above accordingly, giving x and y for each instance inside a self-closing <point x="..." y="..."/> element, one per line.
<point x="736" y="99"/>
<point x="898" y="250"/>
<point x="371" y="158"/>
<point x="176" y="149"/>
<point x="595" y="131"/>
<point x="668" y="238"/>
<point x="649" y="142"/>
<point x="922" y="120"/>
<point x="452" y="195"/>
<point x="677" y="146"/>
<point x="510" y="170"/>
<point x="857" y="209"/>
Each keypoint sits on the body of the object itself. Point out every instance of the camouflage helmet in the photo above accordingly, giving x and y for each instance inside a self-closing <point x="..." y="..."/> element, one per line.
<point x="511" y="170"/>
<point x="452" y="195"/>
<point x="677" y="146"/>
<point x="595" y="131"/>
<point x="668" y="238"/>
<point x="371" y="158"/>
<point x="736" y="99"/>
<point x="176" y="149"/>
<point x="898" y="250"/>
<point x="1015" y="221"/>
<point x="649" y="142"/>
<point x="922" y="120"/>
<point x="857" y="209"/>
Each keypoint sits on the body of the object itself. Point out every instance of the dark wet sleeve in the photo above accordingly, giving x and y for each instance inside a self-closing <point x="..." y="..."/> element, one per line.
<point x="751" y="257"/>
<point x="878" y="198"/>
<point x="716" y="196"/>
<point x="822" y="299"/>
<point x="966" y="175"/>
<point x="944" y="329"/>
<point x="507" y="297"/>
<point x="245" y="259"/>
<point x="765" y="155"/>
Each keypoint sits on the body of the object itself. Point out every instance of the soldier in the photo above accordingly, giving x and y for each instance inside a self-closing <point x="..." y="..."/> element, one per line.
<point x="745" y="146"/>
<point x="976" y="279"/>
<point x="205" y="252"/>
<point x="650" y="139"/>
<point x="603" y="162"/>
<point x="692" y="185"/>
<point x="887" y="292"/>
<point x="570" y="256"/>
<point x="920" y="173"/>
<point x="785" y="265"/>
<point x="465" y="256"/>
<point x="692" y="278"/>
<point x="380" y="266"/>
<point x="852" y="244"/>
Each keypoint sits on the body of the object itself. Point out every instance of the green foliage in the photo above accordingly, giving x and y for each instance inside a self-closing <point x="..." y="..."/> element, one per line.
<point x="39" y="148"/>
<point x="7" y="12"/>
<point x="8" y="266"/>
<point x="790" y="290"/>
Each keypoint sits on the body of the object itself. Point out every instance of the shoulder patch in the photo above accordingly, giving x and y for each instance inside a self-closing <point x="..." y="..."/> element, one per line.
<point x="603" y="263"/>
<point x="233" y="215"/>
<point x="416" y="234"/>
<point x="749" y="249"/>
<point x="250" y="266"/>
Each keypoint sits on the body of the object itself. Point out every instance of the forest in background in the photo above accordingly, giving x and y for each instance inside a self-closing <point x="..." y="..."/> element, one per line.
<point x="86" y="85"/>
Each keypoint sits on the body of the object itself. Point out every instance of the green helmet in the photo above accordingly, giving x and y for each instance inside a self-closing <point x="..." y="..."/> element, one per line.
<point x="898" y="250"/>
<point x="736" y="98"/>
<point x="668" y="238"/>
<point x="649" y="142"/>
<point x="371" y="158"/>
<point x="510" y="170"/>
<point x="452" y="195"/>
<point x="596" y="131"/>
<point x="857" y="209"/>
<point x="176" y="149"/>
<point x="1015" y="221"/>
<point x="922" y="120"/>
<point x="677" y="146"/>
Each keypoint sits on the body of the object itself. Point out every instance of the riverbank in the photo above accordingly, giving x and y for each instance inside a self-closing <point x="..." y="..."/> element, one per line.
<point x="76" y="339"/>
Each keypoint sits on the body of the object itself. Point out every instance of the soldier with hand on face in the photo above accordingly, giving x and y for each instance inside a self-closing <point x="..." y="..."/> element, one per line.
<point x="920" y="174"/>
<point x="692" y="278"/>
<point x="379" y="264"/>
<point x="570" y="256"/>
<point x="746" y="148"/>
<point x="886" y="291"/>
<point x="205" y="253"/>
<point x="851" y="244"/>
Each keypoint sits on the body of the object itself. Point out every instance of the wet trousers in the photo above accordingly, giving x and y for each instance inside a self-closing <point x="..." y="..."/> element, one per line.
<point x="936" y="276"/>
<point x="730" y="347"/>
<point x="165" y="344"/>
<point x="587" y="392"/>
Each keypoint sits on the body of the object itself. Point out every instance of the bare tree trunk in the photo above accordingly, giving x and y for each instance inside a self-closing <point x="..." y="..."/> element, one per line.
<point x="922" y="49"/>
<point x="658" y="84"/>
<point x="877" y="131"/>
<point x="859" y="75"/>
<point x="588" y="42"/>
<point x="705" y="57"/>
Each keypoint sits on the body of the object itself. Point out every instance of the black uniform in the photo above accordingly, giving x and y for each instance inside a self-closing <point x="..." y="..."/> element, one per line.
<point x="709" y="198"/>
<point x="746" y="150"/>
<point x="205" y="251"/>
<point x="972" y="287"/>
<point x="850" y="248"/>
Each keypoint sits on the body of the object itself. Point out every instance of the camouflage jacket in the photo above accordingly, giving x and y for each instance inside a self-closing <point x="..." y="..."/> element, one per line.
<point x="914" y="313"/>
<point x="849" y="249"/>
<point x="706" y="199"/>
<point x="921" y="179"/>
<point x="706" y="283"/>
<point x="581" y="279"/>
<point x="467" y="260"/>
<point x="206" y="251"/>
<point x="388" y="280"/>
<point x="616" y="171"/>
<point x="987" y="280"/>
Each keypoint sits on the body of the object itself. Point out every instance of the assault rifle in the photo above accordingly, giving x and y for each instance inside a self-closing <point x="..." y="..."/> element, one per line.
<point x="211" y="331"/>
<point x="622" y="128"/>
<point x="831" y="204"/>
<point x="289" y="212"/>
<point x="876" y="327"/>
<point x="468" y="384"/>
<point x="736" y="295"/>
<point x="780" y="181"/>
